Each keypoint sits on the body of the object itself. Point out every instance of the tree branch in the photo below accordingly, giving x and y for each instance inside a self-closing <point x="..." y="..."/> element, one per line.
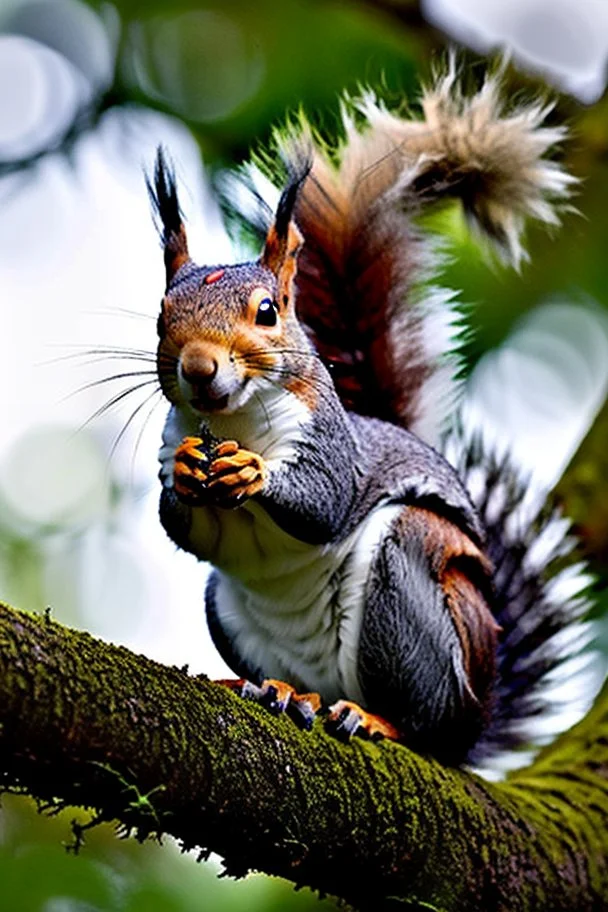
<point x="158" y="750"/>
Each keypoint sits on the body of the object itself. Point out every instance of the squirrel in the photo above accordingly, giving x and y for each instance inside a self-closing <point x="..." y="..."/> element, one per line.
<point x="355" y="570"/>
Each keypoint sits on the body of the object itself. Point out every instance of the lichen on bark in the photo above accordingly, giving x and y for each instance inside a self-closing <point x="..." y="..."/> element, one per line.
<point x="157" y="749"/>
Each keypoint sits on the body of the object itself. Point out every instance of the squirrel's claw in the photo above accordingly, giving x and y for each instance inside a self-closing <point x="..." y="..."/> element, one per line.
<point x="274" y="695"/>
<point x="304" y="708"/>
<point x="347" y="719"/>
<point x="278" y="697"/>
<point x="226" y="448"/>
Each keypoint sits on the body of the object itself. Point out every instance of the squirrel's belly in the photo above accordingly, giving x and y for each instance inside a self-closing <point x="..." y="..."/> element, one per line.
<point x="302" y="623"/>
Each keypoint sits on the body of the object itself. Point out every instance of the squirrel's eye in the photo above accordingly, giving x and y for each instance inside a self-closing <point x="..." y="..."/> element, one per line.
<point x="267" y="313"/>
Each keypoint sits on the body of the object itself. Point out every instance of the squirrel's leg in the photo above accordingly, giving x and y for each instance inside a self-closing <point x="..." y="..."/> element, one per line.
<point x="428" y="639"/>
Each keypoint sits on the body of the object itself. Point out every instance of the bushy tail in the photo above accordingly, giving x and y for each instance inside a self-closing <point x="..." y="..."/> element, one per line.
<point x="470" y="148"/>
<point x="365" y="271"/>
<point x="547" y="678"/>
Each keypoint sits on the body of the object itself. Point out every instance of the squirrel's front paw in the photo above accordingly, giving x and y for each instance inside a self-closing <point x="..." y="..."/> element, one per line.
<point x="190" y="468"/>
<point x="234" y="474"/>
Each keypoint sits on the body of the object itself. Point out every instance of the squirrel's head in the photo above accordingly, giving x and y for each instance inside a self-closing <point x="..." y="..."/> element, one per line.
<point x="225" y="332"/>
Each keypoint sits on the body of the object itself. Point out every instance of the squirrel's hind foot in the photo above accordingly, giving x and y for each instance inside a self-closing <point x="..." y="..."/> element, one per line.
<point x="278" y="697"/>
<point x="347" y="719"/>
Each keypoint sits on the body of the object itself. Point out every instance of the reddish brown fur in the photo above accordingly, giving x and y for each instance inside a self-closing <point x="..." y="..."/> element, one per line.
<point x="176" y="253"/>
<point x="364" y="263"/>
<point x="281" y="257"/>
<point x="274" y="251"/>
<point x="305" y="390"/>
<point x="476" y="629"/>
<point x="200" y="331"/>
<point x="240" y="343"/>
<point x="359" y="259"/>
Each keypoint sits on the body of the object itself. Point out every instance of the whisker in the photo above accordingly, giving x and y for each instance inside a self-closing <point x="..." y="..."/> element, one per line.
<point x="94" y="346"/>
<point x="129" y="421"/>
<point x="119" y="311"/>
<point x="264" y="409"/>
<point x="281" y="371"/>
<point x="279" y="351"/>
<point x="155" y="405"/>
<point x="97" y="357"/>
<point x="112" y="402"/>
<point x="105" y="351"/>
<point x="93" y="383"/>
<point x="306" y="381"/>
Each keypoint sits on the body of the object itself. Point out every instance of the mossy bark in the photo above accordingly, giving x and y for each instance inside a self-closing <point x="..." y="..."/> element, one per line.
<point x="158" y="750"/>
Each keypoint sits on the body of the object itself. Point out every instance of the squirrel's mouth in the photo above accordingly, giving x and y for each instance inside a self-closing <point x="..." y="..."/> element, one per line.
<point x="207" y="403"/>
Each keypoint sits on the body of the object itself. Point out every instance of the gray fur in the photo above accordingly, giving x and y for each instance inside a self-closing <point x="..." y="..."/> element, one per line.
<point x="313" y="497"/>
<point x="547" y="677"/>
<point x="176" y="518"/>
<point x="347" y="464"/>
<point x="400" y="467"/>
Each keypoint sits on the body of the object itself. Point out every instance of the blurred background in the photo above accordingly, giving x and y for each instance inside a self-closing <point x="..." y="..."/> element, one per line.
<point x="87" y="91"/>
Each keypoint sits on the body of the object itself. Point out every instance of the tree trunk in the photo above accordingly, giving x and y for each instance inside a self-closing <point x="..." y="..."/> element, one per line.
<point x="86" y="723"/>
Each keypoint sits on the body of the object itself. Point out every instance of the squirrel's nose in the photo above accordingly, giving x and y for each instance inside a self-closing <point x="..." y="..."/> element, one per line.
<point x="199" y="368"/>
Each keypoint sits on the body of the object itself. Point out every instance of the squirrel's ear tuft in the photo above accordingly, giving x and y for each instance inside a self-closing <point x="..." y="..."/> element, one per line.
<point x="168" y="216"/>
<point x="283" y="239"/>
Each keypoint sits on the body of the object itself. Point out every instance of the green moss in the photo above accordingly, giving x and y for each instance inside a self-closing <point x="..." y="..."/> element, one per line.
<point x="159" y="750"/>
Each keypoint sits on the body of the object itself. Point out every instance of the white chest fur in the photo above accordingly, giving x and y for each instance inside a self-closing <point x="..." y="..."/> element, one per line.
<point x="302" y="625"/>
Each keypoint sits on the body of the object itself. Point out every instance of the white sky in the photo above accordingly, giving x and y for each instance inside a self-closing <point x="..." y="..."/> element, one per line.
<point x="565" y="40"/>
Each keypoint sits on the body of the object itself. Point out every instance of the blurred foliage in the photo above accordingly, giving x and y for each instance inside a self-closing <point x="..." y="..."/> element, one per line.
<point x="231" y="70"/>
<point x="582" y="492"/>
<point x="38" y="874"/>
